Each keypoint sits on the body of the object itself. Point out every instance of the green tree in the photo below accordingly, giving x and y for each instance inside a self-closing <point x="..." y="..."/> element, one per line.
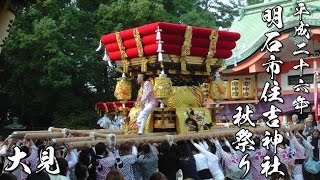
<point x="49" y="63"/>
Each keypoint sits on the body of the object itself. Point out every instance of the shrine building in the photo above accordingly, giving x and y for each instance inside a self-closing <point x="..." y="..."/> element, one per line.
<point x="245" y="75"/>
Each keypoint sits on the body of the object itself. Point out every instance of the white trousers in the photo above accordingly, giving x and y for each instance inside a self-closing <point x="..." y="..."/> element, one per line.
<point x="143" y="117"/>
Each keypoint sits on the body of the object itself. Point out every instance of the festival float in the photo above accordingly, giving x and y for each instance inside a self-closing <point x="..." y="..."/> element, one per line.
<point x="183" y="62"/>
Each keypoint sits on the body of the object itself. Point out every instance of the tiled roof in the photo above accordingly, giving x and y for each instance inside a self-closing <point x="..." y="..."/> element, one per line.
<point x="252" y="29"/>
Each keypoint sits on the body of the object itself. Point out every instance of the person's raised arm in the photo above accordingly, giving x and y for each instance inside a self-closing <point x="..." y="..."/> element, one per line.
<point x="153" y="149"/>
<point x="108" y="161"/>
<point x="134" y="150"/>
<point x="205" y="145"/>
<point x="307" y="145"/>
<point x="305" y="132"/>
<point x="33" y="148"/>
<point x="200" y="148"/>
<point x="295" y="143"/>
<point x="222" y="153"/>
<point x="71" y="156"/>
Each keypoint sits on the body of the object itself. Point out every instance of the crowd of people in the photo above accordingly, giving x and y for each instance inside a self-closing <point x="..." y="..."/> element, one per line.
<point x="202" y="158"/>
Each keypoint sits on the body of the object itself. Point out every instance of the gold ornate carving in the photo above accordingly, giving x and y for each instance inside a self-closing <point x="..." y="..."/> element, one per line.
<point x="125" y="65"/>
<point x="183" y="65"/>
<point x="125" y="62"/>
<point x="144" y="61"/>
<point x="212" y="49"/>
<point x="185" y="51"/>
<point x="209" y="61"/>
<point x="138" y="41"/>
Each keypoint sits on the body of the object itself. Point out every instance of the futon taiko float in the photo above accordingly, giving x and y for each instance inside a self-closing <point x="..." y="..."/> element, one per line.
<point x="180" y="60"/>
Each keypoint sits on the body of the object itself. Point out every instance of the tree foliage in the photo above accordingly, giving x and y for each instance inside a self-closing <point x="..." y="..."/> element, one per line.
<point x="49" y="66"/>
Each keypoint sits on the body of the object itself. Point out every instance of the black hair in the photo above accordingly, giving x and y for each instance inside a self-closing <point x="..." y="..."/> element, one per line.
<point x="84" y="157"/>
<point x="80" y="171"/>
<point x="193" y="148"/>
<point x="8" y="176"/>
<point x="25" y="149"/>
<point x="285" y="142"/>
<point x="165" y="147"/>
<point x="42" y="175"/>
<point x="212" y="147"/>
<point x="63" y="166"/>
<point x="181" y="150"/>
<point x="38" y="142"/>
<point x="145" y="148"/>
<point x="257" y="142"/>
<point x="277" y="175"/>
<point x="41" y="147"/>
<point x="100" y="148"/>
<point x="226" y="148"/>
<point x="125" y="148"/>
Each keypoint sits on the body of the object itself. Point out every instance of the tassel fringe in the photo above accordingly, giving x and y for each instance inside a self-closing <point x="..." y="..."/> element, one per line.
<point x="100" y="45"/>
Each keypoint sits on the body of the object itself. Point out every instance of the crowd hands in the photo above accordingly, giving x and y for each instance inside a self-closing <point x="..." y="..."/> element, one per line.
<point x="198" y="158"/>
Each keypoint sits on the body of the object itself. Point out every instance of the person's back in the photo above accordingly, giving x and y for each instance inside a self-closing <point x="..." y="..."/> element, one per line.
<point x="124" y="164"/>
<point x="168" y="160"/>
<point x="148" y="162"/>
<point x="202" y="166"/>
<point x="256" y="159"/>
<point x="81" y="171"/>
<point x="103" y="164"/>
<point x="187" y="162"/>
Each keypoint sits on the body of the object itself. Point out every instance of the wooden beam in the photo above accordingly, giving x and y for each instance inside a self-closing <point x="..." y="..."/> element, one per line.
<point x="202" y="135"/>
<point x="240" y="102"/>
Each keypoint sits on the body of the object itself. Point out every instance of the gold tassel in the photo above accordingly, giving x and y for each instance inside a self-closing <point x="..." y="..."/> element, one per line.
<point x="223" y="67"/>
<point x="121" y="47"/>
<point x="138" y="42"/>
<point x="144" y="66"/>
<point x="209" y="61"/>
<point x="125" y="65"/>
<point x="183" y="64"/>
<point x="185" y="51"/>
